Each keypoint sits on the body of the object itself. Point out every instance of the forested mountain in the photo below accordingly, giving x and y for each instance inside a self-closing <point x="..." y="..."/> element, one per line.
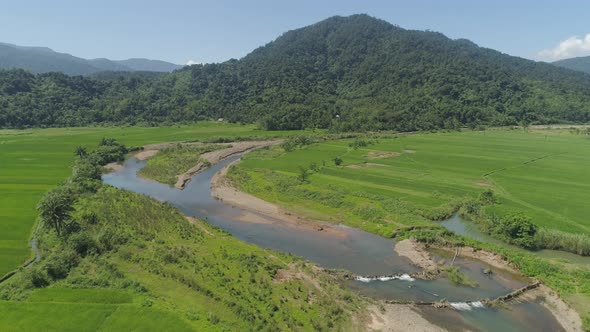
<point x="372" y="74"/>
<point x="580" y="64"/>
<point x="44" y="60"/>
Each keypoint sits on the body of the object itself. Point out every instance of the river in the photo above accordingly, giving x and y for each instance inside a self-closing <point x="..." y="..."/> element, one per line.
<point x="357" y="251"/>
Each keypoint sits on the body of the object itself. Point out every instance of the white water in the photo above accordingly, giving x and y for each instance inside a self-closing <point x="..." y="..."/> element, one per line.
<point x="467" y="306"/>
<point x="404" y="277"/>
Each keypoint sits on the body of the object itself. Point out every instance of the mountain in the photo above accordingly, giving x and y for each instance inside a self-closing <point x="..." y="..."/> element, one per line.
<point x="580" y="64"/>
<point x="344" y="73"/>
<point x="43" y="60"/>
<point x="138" y="64"/>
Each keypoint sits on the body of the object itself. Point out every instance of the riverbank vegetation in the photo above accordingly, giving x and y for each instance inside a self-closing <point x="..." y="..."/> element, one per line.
<point x="169" y="162"/>
<point x="457" y="277"/>
<point x="120" y="260"/>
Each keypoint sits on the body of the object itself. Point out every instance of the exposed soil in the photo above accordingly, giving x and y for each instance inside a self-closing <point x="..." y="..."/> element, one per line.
<point x="383" y="154"/>
<point x="410" y="151"/>
<point x="399" y="317"/>
<point x="568" y="318"/>
<point x="213" y="157"/>
<point x="222" y="189"/>
<point x="484" y="183"/>
<point x="416" y="253"/>
<point x="113" y="167"/>
<point x="146" y="154"/>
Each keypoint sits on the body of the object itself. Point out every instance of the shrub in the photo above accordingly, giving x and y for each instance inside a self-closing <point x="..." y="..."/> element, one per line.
<point x="82" y="243"/>
<point x="487" y="197"/>
<point x="303" y="175"/>
<point x="338" y="161"/>
<point x="37" y="277"/>
<point x="59" y="264"/>
<point x="516" y="229"/>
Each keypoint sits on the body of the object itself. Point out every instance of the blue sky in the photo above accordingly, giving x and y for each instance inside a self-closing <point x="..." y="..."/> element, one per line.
<point x="214" y="31"/>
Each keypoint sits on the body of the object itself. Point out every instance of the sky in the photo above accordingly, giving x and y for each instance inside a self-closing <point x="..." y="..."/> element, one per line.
<point x="182" y="31"/>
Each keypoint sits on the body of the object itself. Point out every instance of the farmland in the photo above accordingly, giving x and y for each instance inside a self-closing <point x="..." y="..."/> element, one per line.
<point x="409" y="180"/>
<point x="33" y="161"/>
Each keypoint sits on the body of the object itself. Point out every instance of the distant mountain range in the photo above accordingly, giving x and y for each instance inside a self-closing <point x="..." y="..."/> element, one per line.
<point x="43" y="60"/>
<point x="580" y="64"/>
<point x="354" y="73"/>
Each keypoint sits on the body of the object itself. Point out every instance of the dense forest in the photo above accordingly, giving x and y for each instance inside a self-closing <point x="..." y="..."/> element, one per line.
<point x="345" y="73"/>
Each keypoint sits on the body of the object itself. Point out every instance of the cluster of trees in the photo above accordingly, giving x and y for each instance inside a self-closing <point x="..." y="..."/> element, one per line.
<point x="56" y="206"/>
<point x="345" y="73"/>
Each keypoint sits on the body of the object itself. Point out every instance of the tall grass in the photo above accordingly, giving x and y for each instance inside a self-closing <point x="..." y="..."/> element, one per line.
<point x="554" y="239"/>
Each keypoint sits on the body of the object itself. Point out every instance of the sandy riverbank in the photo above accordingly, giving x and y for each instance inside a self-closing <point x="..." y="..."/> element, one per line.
<point x="213" y="157"/>
<point x="399" y="318"/>
<point x="416" y="253"/>
<point x="257" y="209"/>
<point x="568" y="318"/>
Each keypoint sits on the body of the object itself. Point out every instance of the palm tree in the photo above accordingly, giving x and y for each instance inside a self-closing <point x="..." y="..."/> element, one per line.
<point x="81" y="152"/>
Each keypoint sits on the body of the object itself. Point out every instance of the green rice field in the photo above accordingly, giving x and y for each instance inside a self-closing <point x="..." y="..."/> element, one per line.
<point x="410" y="179"/>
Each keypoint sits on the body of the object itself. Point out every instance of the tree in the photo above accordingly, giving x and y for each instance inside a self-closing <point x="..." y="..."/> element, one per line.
<point x="303" y="175"/>
<point x="81" y="151"/>
<point x="338" y="161"/>
<point x="55" y="208"/>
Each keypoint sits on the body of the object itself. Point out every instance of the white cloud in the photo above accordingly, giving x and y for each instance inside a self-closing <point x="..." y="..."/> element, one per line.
<point x="192" y="62"/>
<point x="569" y="48"/>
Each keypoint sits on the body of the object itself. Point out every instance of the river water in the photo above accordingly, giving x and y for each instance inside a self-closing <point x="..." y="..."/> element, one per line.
<point x="357" y="251"/>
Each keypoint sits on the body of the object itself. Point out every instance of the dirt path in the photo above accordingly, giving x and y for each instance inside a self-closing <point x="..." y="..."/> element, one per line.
<point x="399" y="317"/>
<point x="213" y="157"/>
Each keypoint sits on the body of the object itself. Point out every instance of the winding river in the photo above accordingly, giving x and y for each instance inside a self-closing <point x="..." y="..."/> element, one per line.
<point x="360" y="252"/>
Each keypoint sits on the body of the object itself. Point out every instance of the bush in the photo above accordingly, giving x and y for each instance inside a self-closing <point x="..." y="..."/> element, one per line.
<point x="59" y="264"/>
<point x="82" y="243"/>
<point x="487" y="197"/>
<point x="338" y="161"/>
<point x="516" y="229"/>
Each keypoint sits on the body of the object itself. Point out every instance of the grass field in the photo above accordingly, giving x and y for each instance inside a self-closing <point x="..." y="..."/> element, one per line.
<point x="32" y="161"/>
<point x="410" y="179"/>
